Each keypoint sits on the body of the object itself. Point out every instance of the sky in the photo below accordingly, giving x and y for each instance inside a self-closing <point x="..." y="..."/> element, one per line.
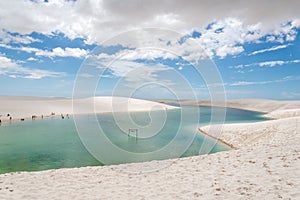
<point x="150" y="49"/>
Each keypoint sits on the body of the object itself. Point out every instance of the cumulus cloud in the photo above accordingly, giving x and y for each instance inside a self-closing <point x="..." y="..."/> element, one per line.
<point x="227" y="36"/>
<point x="12" y="69"/>
<point x="7" y="37"/>
<point x="234" y="22"/>
<point x="60" y="52"/>
<point x="56" y="52"/>
<point x="222" y="38"/>
<point x="223" y="51"/>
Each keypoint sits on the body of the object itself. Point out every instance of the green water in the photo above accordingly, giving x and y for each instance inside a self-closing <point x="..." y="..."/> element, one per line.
<point x="52" y="143"/>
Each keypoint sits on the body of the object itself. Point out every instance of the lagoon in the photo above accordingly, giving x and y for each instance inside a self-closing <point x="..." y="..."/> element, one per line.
<point x="53" y="143"/>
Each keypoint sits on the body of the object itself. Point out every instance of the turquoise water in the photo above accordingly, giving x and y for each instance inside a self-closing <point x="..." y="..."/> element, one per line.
<point x="52" y="143"/>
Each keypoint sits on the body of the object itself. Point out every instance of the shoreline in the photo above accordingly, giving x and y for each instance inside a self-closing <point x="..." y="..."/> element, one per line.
<point x="255" y="105"/>
<point x="33" y="108"/>
<point x="8" y="121"/>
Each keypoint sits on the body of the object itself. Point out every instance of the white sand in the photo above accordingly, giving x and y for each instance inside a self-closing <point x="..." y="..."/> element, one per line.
<point x="259" y="105"/>
<point x="263" y="105"/>
<point x="283" y="130"/>
<point x="26" y="107"/>
<point x="266" y="166"/>
<point x="276" y="132"/>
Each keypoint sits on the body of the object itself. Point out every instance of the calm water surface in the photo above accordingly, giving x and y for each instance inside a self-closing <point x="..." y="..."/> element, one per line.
<point x="54" y="143"/>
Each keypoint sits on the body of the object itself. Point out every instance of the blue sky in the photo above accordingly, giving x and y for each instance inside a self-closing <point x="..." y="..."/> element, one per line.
<point x="44" y="44"/>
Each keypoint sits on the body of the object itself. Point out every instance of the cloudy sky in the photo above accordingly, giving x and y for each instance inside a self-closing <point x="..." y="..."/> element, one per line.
<point x="254" y="45"/>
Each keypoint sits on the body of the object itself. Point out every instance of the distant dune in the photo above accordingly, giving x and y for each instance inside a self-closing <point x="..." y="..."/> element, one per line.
<point x="26" y="107"/>
<point x="259" y="105"/>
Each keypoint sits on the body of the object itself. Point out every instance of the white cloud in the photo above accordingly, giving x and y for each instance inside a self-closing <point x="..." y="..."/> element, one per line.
<point x="224" y="37"/>
<point x="154" y="80"/>
<point x="276" y="62"/>
<point x="228" y="50"/>
<point x="121" y="68"/>
<point x="18" y="39"/>
<point x="243" y="83"/>
<point x="12" y="69"/>
<point x="136" y="77"/>
<point x="285" y="79"/>
<point x="21" y="48"/>
<point x="135" y="54"/>
<point x="6" y="62"/>
<point x="274" y="48"/>
<point x="32" y="59"/>
<point x="236" y="67"/>
<point x="221" y="38"/>
<point x="60" y="52"/>
<point x="235" y="23"/>
<point x="56" y="52"/>
<point x="146" y="73"/>
<point x="272" y="63"/>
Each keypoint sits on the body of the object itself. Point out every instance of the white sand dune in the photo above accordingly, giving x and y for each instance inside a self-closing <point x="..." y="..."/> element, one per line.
<point x="263" y="105"/>
<point x="284" y="129"/>
<point x="259" y="105"/>
<point x="266" y="165"/>
<point x="26" y="107"/>
<point x="277" y="114"/>
<point x="276" y="132"/>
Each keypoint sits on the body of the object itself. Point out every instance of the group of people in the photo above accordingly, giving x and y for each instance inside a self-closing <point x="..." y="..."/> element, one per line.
<point x="32" y="117"/>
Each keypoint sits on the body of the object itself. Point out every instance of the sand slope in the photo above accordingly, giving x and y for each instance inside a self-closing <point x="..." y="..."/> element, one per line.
<point x="272" y="133"/>
<point x="259" y="105"/>
<point x="251" y="173"/>
<point x="26" y="107"/>
<point x="266" y="165"/>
